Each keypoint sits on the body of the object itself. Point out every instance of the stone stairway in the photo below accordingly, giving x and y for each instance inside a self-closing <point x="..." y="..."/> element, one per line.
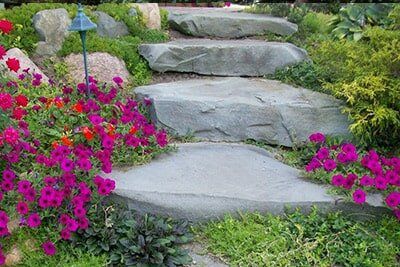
<point x="204" y="181"/>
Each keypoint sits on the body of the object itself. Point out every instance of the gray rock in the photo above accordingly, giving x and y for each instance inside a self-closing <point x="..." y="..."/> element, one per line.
<point x="205" y="181"/>
<point x="234" y="109"/>
<point x="132" y="12"/>
<point x="52" y="27"/>
<point x="107" y="26"/>
<point x="221" y="57"/>
<point x="229" y="24"/>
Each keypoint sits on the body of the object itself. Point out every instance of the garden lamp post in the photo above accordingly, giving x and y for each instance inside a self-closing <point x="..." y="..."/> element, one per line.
<point x="81" y="23"/>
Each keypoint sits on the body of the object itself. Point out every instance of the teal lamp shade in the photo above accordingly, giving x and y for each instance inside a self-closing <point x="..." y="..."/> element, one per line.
<point x="81" y="22"/>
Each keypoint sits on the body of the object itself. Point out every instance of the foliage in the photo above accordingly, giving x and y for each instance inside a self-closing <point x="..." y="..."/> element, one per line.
<point x="58" y="141"/>
<point x="24" y="35"/>
<point x="367" y="76"/>
<point x="353" y="18"/>
<point x="395" y="17"/>
<point x="304" y="240"/>
<point x="302" y="74"/>
<point x="164" y="19"/>
<point x="356" y="171"/>
<point x="130" y="239"/>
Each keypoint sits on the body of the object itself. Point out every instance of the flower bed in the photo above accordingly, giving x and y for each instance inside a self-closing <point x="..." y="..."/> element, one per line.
<point x="55" y="141"/>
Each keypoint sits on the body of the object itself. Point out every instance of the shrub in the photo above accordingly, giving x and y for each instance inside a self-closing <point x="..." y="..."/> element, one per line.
<point x="366" y="75"/>
<point x="55" y="144"/>
<point x="349" y="169"/>
<point x="131" y="239"/>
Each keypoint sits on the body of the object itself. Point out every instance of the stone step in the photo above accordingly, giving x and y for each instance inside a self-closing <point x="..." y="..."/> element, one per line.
<point x="221" y="57"/>
<point x="235" y="109"/>
<point x="205" y="181"/>
<point x="228" y="24"/>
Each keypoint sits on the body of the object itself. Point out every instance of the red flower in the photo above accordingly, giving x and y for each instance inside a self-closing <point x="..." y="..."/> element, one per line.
<point x="13" y="64"/>
<point x="3" y="52"/>
<point x="5" y="26"/>
<point x="77" y="107"/>
<point x="21" y="100"/>
<point x="87" y="133"/>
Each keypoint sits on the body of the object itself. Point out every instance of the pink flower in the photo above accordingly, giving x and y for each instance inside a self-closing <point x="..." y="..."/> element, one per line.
<point x="10" y="135"/>
<point x="349" y="148"/>
<point x="72" y="225"/>
<point x="34" y="220"/>
<point x="366" y="181"/>
<point x="83" y="223"/>
<point x="359" y="196"/>
<point x="393" y="199"/>
<point x="3" y="219"/>
<point x="322" y="153"/>
<point x="329" y="165"/>
<point x="9" y="175"/>
<point x="22" y="208"/>
<point x="380" y="183"/>
<point x="67" y="165"/>
<point x="95" y="119"/>
<point x="338" y="180"/>
<point x="49" y="248"/>
<point x="65" y="234"/>
<point x="317" y="138"/>
<point x="118" y="80"/>
<point x="6" y="101"/>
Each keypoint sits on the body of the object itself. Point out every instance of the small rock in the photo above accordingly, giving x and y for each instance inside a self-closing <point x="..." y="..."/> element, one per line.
<point x="24" y="61"/>
<point x="151" y="14"/>
<point x="102" y="66"/>
<point x="13" y="257"/>
<point x="107" y="26"/>
<point x="12" y="225"/>
<point x="133" y="12"/>
<point x="52" y="27"/>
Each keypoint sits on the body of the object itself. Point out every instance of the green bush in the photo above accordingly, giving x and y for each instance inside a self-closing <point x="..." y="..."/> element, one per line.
<point x="24" y="35"/>
<point x="129" y="239"/>
<point x="366" y="75"/>
<point x="304" y="240"/>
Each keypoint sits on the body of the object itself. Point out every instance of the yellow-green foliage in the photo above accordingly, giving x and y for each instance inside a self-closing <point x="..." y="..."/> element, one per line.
<point x="367" y="76"/>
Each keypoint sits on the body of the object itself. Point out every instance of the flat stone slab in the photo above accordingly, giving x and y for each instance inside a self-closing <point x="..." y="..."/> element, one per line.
<point x="235" y="109"/>
<point x="221" y="57"/>
<point x="205" y="181"/>
<point x="228" y="24"/>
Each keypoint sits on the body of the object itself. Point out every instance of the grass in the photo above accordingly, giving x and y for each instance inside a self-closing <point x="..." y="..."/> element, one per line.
<point x="304" y="240"/>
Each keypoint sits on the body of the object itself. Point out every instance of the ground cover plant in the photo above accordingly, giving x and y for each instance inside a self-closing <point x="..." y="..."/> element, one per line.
<point x="295" y="239"/>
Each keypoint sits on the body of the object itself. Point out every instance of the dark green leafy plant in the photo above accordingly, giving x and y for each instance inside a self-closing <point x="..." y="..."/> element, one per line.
<point x="353" y="18"/>
<point x="133" y="240"/>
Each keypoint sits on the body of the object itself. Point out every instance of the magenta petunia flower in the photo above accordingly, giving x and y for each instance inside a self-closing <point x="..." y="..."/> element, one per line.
<point x="95" y="119"/>
<point x="34" y="220"/>
<point x="317" y="138"/>
<point x="380" y="182"/>
<point x="329" y="165"/>
<point x="22" y="208"/>
<point x="359" y="196"/>
<point x="49" y="248"/>
<point x="338" y="180"/>
<point x="393" y="199"/>
<point x="366" y="181"/>
<point x="67" y="165"/>
<point x="65" y="234"/>
<point x="118" y="80"/>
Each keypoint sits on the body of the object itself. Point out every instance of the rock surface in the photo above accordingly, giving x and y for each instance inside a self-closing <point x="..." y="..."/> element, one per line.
<point x="205" y="181"/>
<point x="234" y="109"/>
<point x="151" y="14"/>
<point x="221" y="57"/>
<point x="107" y="26"/>
<point x="102" y="66"/>
<point x="24" y="62"/>
<point x="52" y="27"/>
<point x="229" y="24"/>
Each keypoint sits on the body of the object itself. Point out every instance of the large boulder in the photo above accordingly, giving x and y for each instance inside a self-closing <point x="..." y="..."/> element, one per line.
<point x="229" y="24"/>
<point x="24" y="61"/>
<point x="205" y="181"/>
<point x="52" y="27"/>
<point x="107" y="26"/>
<point x="151" y="14"/>
<point x="102" y="66"/>
<point x="236" y="109"/>
<point x="221" y="57"/>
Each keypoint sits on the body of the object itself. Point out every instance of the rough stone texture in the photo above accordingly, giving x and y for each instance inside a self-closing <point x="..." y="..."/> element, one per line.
<point x="234" y="109"/>
<point x="205" y="181"/>
<point x="52" y="27"/>
<point x="151" y="14"/>
<point x="221" y="57"/>
<point x="102" y="66"/>
<point x="24" y="62"/>
<point x="107" y="26"/>
<point x="229" y="24"/>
